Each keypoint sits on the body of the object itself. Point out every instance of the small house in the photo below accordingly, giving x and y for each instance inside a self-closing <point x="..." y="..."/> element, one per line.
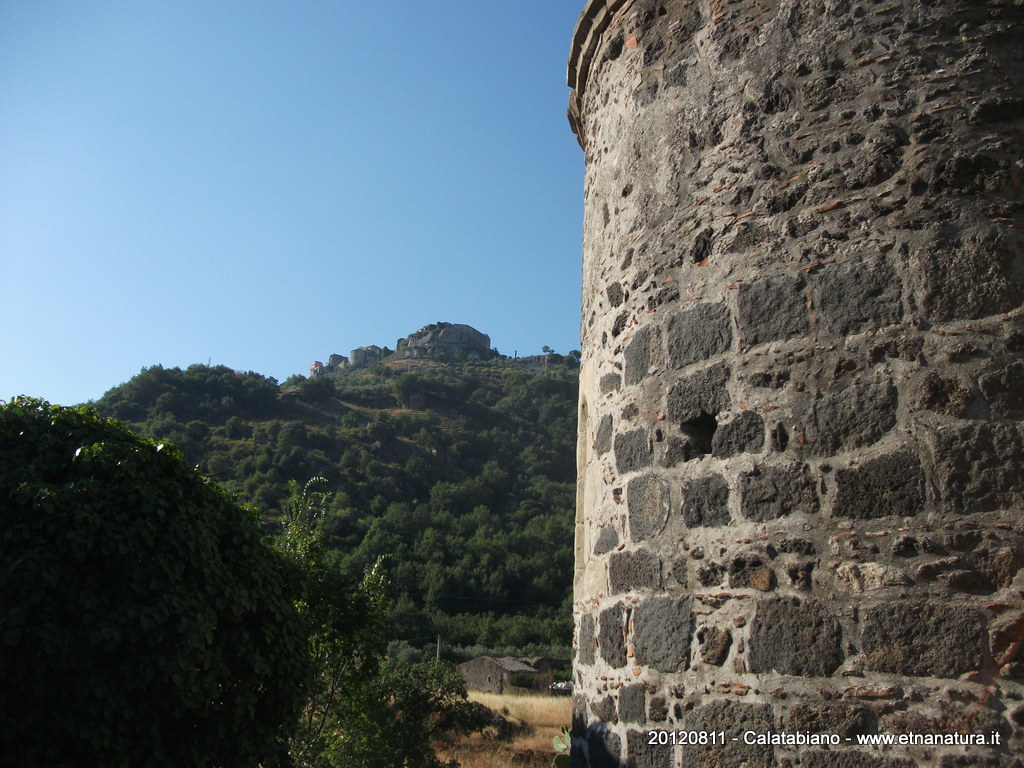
<point x="494" y="675"/>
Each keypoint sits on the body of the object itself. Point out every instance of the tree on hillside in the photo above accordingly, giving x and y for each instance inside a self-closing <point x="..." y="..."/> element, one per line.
<point x="144" y="620"/>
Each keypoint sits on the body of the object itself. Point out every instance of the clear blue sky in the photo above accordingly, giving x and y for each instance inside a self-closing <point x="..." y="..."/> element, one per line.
<point x="264" y="183"/>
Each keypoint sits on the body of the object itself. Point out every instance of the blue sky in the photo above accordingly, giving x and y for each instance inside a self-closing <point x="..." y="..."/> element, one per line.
<point x="261" y="184"/>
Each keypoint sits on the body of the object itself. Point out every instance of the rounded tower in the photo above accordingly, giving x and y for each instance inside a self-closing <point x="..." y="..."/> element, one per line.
<point x="801" y="453"/>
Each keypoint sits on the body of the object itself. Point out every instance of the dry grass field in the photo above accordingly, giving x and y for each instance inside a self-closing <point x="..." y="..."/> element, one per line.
<point x="533" y="719"/>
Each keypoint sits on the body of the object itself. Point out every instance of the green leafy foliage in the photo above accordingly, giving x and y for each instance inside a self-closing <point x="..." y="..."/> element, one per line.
<point x="362" y="709"/>
<point x="144" y="619"/>
<point x="462" y="476"/>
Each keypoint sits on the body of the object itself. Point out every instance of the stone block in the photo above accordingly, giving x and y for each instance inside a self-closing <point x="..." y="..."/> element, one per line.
<point x="965" y="278"/>
<point x="923" y="638"/>
<point x="634" y="570"/>
<point x="854" y="417"/>
<point x="1004" y="391"/>
<point x="604" y="748"/>
<point x="658" y="710"/>
<point x="632" y="703"/>
<point x="710" y="574"/>
<point x="852" y="758"/>
<point x="771" y="309"/>
<point x="610" y="382"/>
<point x="705" y="502"/>
<point x="701" y="394"/>
<point x="844" y="720"/>
<point x="610" y="639"/>
<point x="607" y="540"/>
<point x="585" y="640"/>
<point x="604" y="709"/>
<point x="633" y="451"/>
<point x="795" y="637"/>
<point x="642" y="754"/>
<point x="892" y="484"/>
<point x="698" y="334"/>
<point x="643" y="350"/>
<point x="777" y="491"/>
<point x="603" y="437"/>
<point x="734" y="718"/>
<point x="648" y="501"/>
<point x="978" y="467"/>
<point x="715" y="643"/>
<point x="858" y="296"/>
<point x="858" y="578"/>
<point x="743" y="434"/>
<point x="662" y="628"/>
<point x="749" y="572"/>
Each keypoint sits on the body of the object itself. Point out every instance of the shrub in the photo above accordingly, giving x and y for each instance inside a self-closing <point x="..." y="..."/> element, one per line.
<point x="142" y="617"/>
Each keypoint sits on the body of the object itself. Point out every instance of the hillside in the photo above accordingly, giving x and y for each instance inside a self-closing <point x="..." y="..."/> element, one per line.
<point x="462" y="475"/>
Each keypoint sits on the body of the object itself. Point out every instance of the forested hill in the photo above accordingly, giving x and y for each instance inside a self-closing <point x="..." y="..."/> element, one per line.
<point x="463" y="475"/>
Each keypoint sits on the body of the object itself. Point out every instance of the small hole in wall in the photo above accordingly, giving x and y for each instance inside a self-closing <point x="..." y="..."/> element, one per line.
<point x="662" y="11"/>
<point x="699" y="432"/>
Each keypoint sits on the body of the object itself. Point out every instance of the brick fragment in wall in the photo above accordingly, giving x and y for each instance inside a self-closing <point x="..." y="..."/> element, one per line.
<point x="856" y="416"/>
<point x="734" y="718"/>
<point x="585" y="640"/>
<point x="705" y="502"/>
<point x="923" y="638"/>
<point x="776" y="491"/>
<point x="643" y="754"/>
<point x="633" y="451"/>
<point x="610" y="639"/>
<point x="697" y="334"/>
<point x="633" y="703"/>
<point x="772" y="309"/>
<point x="794" y="636"/>
<point x="892" y="484"/>
<point x="648" y="500"/>
<point x="662" y="627"/>
<point x="744" y="433"/>
<point x="640" y="569"/>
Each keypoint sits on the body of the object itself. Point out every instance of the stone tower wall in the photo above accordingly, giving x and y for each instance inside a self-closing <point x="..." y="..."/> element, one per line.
<point x="801" y="464"/>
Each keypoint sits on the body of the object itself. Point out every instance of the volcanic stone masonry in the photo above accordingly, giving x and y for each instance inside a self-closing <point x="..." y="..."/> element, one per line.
<point x="801" y="445"/>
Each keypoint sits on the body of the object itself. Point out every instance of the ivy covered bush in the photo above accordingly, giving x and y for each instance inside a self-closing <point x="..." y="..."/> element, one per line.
<point x="143" y="620"/>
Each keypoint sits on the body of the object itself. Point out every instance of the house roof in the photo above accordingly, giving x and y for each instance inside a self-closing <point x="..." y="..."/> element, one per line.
<point x="512" y="664"/>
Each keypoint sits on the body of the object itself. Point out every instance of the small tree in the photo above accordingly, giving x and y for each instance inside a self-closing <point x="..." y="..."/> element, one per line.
<point x="143" y="618"/>
<point x="363" y="709"/>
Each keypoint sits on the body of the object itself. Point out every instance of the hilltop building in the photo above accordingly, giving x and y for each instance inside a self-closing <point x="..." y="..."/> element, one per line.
<point x="447" y="342"/>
